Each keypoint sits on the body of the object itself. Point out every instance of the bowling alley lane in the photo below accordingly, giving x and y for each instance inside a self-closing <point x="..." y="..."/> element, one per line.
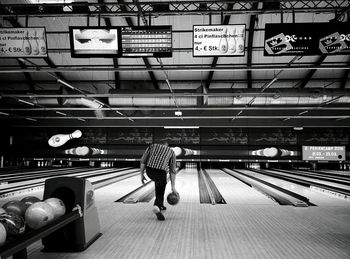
<point x="315" y="197"/>
<point x="186" y="185"/>
<point x="194" y="230"/>
<point x="236" y="192"/>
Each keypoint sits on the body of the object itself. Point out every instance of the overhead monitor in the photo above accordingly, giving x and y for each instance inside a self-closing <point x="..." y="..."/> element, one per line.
<point x="23" y="42"/>
<point x="218" y="40"/>
<point x="283" y="39"/>
<point x="324" y="153"/>
<point x="95" y="41"/>
<point x="147" y="41"/>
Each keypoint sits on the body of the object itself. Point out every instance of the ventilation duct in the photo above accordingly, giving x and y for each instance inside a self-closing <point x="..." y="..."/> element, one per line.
<point x="129" y="98"/>
<point x="87" y="103"/>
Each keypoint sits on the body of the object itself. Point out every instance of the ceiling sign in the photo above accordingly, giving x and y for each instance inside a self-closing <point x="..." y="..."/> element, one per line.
<point x="218" y="40"/>
<point x="23" y="43"/>
<point x="147" y="41"/>
<point x="95" y="41"/>
<point x="306" y="39"/>
<point x="328" y="153"/>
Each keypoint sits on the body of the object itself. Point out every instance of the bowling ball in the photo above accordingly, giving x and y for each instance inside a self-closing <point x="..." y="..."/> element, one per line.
<point x="29" y="200"/>
<point x="15" y="206"/>
<point x="39" y="214"/>
<point x="173" y="198"/>
<point x="3" y="234"/>
<point x="13" y="223"/>
<point x="57" y="205"/>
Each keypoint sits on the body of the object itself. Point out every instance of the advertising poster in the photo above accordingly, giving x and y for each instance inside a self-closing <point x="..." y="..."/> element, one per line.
<point x="307" y="39"/>
<point x="94" y="41"/>
<point x="218" y="40"/>
<point x="324" y="153"/>
<point x="23" y="43"/>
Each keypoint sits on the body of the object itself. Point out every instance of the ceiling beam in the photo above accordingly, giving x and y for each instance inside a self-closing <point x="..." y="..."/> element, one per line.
<point x="175" y="8"/>
<point x="252" y="21"/>
<point x="345" y="77"/>
<point x="174" y="68"/>
<point x="215" y="59"/>
<point x="28" y="77"/>
<point x="115" y="60"/>
<point x="145" y="60"/>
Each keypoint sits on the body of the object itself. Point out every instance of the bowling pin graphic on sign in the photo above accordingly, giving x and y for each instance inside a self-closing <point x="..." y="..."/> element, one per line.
<point x="223" y="44"/>
<point x="26" y="47"/>
<point x="240" y="39"/>
<point x="60" y="139"/>
<point x="42" y="43"/>
<point x="232" y="41"/>
<point x="35" y="44"/>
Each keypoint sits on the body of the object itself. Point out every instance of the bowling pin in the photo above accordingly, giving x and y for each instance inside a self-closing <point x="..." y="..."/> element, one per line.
<point x="240" y="40"/>
<point x="270" y="152"/>
<point x="177" y="151"/>
<point x="35" y="44"/>
<point x="232" y="41"/>
<point x="223" y="44"/>
<point x="26" y="47"/>
<point x="60" y="139"/>
<point x="42" y="44"/>
<point x="82" y="151"/>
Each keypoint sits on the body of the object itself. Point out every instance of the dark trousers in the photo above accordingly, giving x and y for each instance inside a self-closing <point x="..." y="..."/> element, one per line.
<point x="159" y="178"/>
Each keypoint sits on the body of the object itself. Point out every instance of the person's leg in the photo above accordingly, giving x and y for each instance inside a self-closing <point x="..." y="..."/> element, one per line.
<point x="160" y="184"/>
<point x="159" y="178"/>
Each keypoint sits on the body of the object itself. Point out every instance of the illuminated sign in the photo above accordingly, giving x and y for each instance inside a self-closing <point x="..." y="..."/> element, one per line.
<point x="23" y="42"/>
<point x="95" y="41"/>
<point x="307" y="39"/>
<point x="218" y="40"/>
<point x="146" y="41"/>
<point x="328" y="153"/>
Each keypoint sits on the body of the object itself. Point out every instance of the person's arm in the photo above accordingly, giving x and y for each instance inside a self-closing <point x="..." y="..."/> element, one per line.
<point x="143" y="163"/>
<point x="172" y="170"/>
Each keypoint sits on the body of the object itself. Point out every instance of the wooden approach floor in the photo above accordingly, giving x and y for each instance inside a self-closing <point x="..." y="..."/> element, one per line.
<point x="248" y="228"/>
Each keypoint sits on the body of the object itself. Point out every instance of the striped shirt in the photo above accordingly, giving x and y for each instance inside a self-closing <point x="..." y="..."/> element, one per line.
<point x="160" y="157"/>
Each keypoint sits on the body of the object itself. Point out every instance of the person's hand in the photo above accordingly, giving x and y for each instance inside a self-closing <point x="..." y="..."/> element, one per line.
<point x="143" y="179"/>
<point x="175" y="191"/>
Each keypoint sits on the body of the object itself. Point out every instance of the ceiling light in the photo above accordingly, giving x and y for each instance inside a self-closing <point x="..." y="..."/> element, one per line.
<point x="30" y="119"/>
<point x="301" y="113"/>
<point x="178" y="113"/>
<point x="298" y="128"/>
<point x="26" y="102"/>
<point x="61" y="113"/>
<point x="181" y="127"/>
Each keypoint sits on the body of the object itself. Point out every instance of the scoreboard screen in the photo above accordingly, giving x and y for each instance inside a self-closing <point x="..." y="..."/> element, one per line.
<point x="147" y="41"/>
<point x="324" y="153"/>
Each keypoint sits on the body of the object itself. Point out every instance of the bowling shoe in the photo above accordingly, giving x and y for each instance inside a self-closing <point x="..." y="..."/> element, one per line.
<point x="158" y="213"/>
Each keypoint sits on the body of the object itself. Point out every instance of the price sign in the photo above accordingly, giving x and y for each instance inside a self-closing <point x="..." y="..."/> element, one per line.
<point x="23" y="42"/>
<point x="328" y="153"/>
<point x="218" y="40"/>
<point x="307" y="39"/>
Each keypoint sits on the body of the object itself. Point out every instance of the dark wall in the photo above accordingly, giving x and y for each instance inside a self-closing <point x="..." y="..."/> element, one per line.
<point x="221" y="143"/>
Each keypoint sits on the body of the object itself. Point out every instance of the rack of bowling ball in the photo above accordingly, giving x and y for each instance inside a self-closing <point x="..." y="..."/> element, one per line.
<point x="66" y="220"/>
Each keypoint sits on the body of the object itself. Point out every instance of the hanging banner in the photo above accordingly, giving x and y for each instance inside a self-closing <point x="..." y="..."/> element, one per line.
<point x="218" y="40"/>
<point x="284" y="39"/>
<point x="23" y="43"/>
<point x="328" y="153"/>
